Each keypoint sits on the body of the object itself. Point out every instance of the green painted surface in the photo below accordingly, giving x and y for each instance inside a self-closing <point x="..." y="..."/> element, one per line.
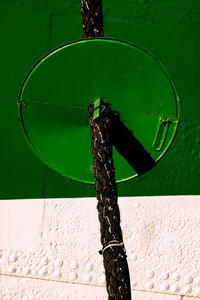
<point x="55" y="95"/>
<point x="170" y="30"/>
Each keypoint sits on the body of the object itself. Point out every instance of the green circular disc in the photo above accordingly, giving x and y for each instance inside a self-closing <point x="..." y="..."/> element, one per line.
<point x="55" y="95"/>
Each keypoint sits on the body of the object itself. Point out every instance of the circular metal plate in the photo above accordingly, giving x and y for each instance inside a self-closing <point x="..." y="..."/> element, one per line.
<point x="55" y="95"/>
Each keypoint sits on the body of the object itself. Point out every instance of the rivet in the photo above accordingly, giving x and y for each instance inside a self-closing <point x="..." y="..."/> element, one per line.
<point x="89" y="266"/>
<point x="43" y="272"/>
<point x="58" y="263"/>
<point x="149" y="285"/>
<point x="57" y="273"/>
<point x="164" y="286"/>
<point x="149" y="274"/>
<point x="44" y="260"/>
<point x="197" y="291"/>
<point x="88" y="278"/>
<point x="74" y="265"/>
<point x="13" y="257"/>
<point x="187" y="289"/>
<point x="175" y="276"/>
<point x="188" y="279"/>
<point x="164" y="275"/>
<point x="12" y="268"/>
<point x="26" y="271"/>
<point x="53" y="244"/>
<point x="43" y="235"/>
<point x="175" y="288"/>
<point x="73" y="276"/>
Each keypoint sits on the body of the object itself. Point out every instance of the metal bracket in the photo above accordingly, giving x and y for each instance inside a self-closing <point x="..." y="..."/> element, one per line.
<point x="161" y="133"/>
<point x="98" y="108"/>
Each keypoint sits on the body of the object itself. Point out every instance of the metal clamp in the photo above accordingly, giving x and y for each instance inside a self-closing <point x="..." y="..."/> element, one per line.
<point x="97" y="108"/>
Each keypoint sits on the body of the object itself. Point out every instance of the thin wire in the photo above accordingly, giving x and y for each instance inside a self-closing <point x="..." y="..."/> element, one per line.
<point x="119" y="244"/>
<point x="51" y="104"/>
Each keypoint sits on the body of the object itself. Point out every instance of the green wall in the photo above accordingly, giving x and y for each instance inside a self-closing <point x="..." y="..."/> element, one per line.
<point x="169" y="29"/>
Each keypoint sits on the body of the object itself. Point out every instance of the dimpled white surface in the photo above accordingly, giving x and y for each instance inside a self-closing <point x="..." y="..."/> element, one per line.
<point x="54" y="243"/>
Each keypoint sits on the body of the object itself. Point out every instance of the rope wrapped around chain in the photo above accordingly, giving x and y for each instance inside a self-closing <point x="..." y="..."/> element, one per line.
<point x="114" y="254"/>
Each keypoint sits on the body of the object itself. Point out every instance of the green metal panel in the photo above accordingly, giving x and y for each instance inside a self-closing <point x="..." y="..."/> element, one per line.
<point x="170" y="30"/>
<point x="21" y="172"/>
<point x="55" y="95"/>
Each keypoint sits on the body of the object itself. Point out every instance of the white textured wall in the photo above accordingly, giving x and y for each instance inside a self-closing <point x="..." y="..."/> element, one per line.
<point x="49" y="248"/>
